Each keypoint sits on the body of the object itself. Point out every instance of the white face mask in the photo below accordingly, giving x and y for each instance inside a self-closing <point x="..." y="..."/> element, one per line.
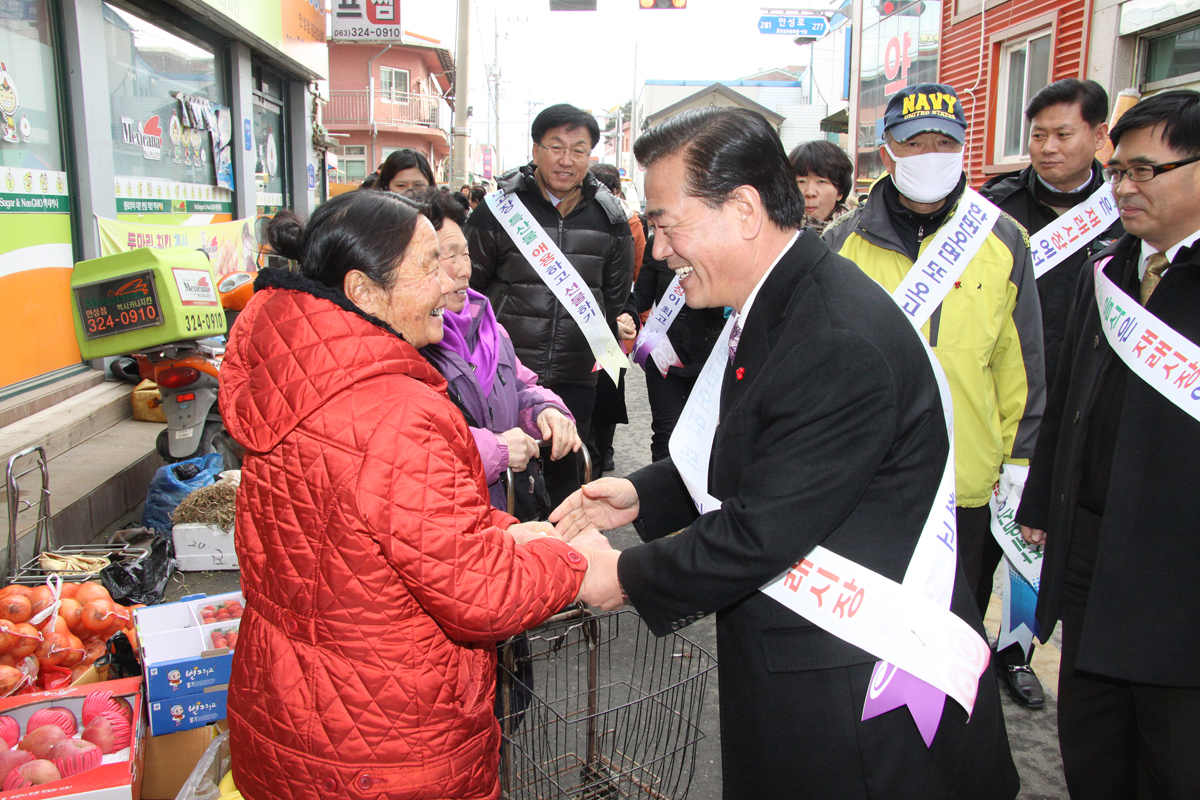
<point x="928" y="177"/>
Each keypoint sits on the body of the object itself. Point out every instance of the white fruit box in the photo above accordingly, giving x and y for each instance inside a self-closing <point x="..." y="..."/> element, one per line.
<point x="176" y="645"/>
<point x="201" y="547"/>
<point x="119" y="775"/>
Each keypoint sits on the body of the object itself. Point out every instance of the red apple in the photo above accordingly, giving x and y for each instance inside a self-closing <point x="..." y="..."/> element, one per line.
<point x="10" y="760"/>
<point x="125" y="708"/>
<point x="10" y="731"/>
<point x="54" y="715"/>
<point x="109" y="731"/>
<point x="73" y="756"/>
<point x="32" y="774"/>
<point x="41" y="739"/>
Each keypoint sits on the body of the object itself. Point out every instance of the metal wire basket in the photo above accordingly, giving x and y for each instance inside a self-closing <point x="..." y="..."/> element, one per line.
<point x="31" y="572"/>
<point x="595" y="707"/>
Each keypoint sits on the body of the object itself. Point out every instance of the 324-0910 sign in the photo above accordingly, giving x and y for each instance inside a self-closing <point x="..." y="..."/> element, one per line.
<point x="121" y="304"/>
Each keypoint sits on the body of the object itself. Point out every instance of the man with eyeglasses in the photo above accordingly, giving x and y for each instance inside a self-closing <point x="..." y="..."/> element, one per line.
<point x="1067" y="125"/>
<point x="1112" y="486"/>
<point x="589" y="227"/>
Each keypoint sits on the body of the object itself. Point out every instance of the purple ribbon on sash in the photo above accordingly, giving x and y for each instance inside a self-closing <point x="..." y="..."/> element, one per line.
<point x="892" y="687"/>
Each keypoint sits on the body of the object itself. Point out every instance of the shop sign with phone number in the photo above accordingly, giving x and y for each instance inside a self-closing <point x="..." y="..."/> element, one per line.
<point x="126" y="303"/>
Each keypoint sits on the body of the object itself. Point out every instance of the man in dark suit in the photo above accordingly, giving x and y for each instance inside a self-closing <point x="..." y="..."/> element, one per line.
<point x="1067" y="126"/>
<point x="1112" y="485"/>
<point x="831" y="433"/>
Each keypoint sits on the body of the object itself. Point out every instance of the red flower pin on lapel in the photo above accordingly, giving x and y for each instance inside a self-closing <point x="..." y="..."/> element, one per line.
<point x="741" y="373"/>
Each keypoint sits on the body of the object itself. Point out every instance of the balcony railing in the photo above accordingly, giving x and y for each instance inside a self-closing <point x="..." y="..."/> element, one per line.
<point x="352" y="107"/>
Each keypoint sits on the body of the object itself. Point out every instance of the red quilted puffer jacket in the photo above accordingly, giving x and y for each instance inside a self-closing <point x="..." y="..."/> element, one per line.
<point x="377" y="576"/>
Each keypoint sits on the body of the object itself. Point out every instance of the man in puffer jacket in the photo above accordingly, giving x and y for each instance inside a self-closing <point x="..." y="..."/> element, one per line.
<point x="590" y="227"/>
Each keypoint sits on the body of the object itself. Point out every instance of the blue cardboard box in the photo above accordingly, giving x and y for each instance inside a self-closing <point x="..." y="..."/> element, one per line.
<point x="188" y="711"/>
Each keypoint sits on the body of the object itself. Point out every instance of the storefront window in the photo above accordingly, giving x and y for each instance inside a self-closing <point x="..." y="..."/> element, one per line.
<point x="898" y="50"/>
<point x="29" y="135"/>
<point x="270" y="142"/>
<point x="1173" y="56"/>
<point x="167" y="108"/>
<point x="36" y="251"/>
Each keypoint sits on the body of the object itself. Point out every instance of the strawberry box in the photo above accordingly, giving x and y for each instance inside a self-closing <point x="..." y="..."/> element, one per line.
<point x="119" y="773"/>
<point x="187" y="647"/>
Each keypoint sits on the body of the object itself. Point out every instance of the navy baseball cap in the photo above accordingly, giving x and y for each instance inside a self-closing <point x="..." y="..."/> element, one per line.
<point x="922" y="108"/>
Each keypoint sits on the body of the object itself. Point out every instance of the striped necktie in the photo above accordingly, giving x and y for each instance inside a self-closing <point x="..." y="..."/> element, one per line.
<point x="734" y="336"/>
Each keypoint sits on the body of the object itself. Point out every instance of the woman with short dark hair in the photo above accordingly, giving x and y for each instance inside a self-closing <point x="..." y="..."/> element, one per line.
<point x="377" y="576"/>
<point x="825" y="177"/>
<point x="405" y="169"/>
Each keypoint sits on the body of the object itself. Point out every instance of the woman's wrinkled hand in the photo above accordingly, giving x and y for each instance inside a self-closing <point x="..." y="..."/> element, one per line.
<point x="521" y="448"/>
<point x="559" y="431"/>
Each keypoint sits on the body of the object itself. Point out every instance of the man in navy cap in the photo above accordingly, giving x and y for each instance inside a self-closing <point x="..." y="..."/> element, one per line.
<point x="964" y="272"/>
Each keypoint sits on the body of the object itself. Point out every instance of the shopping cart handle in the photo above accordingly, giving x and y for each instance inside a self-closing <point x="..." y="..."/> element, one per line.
<point x="587" y="458"/>
<point x="510" y="483"/>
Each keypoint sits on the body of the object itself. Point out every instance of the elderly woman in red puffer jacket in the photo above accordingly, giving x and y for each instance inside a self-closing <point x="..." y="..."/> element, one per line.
<point x="377" y="576"/>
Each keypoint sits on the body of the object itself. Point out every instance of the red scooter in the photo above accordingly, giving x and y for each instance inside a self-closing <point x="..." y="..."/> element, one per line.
<point x="187" y="373"/>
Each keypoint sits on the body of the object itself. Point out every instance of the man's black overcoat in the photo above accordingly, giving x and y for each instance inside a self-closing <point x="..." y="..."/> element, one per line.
<point x="834" y="435"/>
<point x="1142" y="622"/>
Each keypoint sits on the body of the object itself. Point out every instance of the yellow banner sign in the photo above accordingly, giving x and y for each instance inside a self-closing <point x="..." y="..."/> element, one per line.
<point x="230" y="245"/>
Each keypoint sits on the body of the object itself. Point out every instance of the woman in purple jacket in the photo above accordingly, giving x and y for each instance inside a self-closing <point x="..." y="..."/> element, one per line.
<point x="504" y="405"/>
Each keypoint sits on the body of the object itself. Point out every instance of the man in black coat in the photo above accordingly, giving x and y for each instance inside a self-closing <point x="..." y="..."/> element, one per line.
<point x="1111" y="487"/>
<point x="831" y="433"/>
<point x="592" y="230"/>
<point x="1067" y="126"/>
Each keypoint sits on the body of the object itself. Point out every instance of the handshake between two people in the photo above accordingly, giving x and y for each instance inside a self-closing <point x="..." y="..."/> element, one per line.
<point x="603" y="505"/>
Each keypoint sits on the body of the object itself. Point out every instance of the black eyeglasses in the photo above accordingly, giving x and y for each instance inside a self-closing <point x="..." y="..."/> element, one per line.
<point x="1143" y="172"/>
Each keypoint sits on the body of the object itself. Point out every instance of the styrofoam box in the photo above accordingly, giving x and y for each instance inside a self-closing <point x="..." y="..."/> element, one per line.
<point x="203" y="547"/>
<point x="177" y="652"/>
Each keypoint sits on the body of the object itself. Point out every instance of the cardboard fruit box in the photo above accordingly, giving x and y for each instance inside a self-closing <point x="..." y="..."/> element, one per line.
<point x="178" y="651"/>
<point x="119" y="775"/>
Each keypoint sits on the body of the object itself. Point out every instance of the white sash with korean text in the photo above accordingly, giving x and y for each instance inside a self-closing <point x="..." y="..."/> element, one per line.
<point x="943" y="260"/>
<point x="1073" y="230"/>
<point x="1155" y="352"/>
<point x="653" y="341"/>
<point x="907" y="624"/>
<point x="563" y="279"/>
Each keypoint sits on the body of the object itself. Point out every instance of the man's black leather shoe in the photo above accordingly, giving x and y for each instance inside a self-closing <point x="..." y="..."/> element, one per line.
<point x="1022" y="684"/>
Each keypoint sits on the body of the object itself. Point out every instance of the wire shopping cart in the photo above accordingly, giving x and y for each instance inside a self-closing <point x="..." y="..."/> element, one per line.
<point x="595" y="707"/>
<point x="31" y="461"/>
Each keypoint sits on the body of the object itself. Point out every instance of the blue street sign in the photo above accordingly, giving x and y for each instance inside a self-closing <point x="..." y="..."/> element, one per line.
<point x="794" y="26"/>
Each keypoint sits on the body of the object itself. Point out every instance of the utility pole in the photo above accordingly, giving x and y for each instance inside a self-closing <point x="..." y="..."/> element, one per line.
<point x="633" y="115"/>
<point x="462" y="81"/>
<point x="620" y="139"/>
<point x="496" y="88"/>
